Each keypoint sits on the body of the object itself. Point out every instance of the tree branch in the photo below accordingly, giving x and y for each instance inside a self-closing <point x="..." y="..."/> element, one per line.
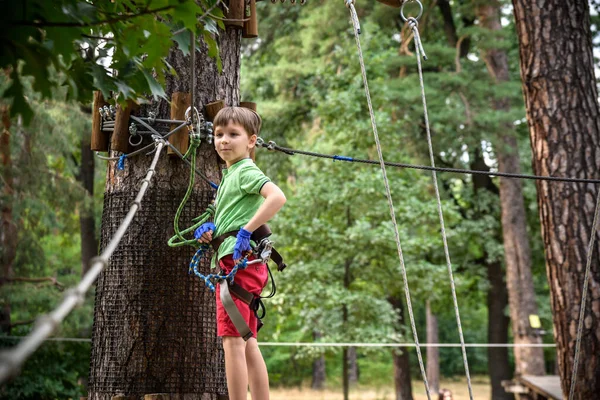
<point x="33" y="280"/>
<point x="126" y="17"/>
<point x="18" y="323"/>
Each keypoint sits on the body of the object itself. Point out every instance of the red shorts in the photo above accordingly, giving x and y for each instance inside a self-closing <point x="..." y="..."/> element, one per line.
<point x="253" y="279"/>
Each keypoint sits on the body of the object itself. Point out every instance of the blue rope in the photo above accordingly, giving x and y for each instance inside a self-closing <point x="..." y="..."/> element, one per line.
<point x="200" y="253"/>
<point x="343" y="158"/>
<point x="121" y="163"/>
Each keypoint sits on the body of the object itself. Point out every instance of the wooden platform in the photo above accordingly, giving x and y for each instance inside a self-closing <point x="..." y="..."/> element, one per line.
<point x="542" y="387"/>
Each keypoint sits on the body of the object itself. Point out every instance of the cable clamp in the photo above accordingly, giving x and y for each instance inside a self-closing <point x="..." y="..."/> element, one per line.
<point x="151" y="117"/>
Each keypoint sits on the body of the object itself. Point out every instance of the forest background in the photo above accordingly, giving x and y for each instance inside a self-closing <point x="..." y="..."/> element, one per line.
<point x="335" y="231"/>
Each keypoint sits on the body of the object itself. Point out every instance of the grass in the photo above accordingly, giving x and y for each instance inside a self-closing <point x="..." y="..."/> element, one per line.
<point x="481" y="391"/>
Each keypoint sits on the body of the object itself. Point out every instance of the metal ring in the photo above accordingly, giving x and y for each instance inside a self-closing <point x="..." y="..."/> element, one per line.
<point x="131" y="142"/>
<point x="420" y="10"/>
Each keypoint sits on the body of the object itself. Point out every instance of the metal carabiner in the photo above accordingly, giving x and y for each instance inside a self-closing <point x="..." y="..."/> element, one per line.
<point x="411" y="1"/>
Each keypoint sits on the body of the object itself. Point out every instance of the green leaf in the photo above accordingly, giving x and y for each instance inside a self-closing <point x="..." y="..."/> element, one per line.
<point x="155" y="87"/>
<point x="186" y="13"/>
<point x="19" y="103"/>
<point x="102" y="81"/>
<point x="183" y="41"/>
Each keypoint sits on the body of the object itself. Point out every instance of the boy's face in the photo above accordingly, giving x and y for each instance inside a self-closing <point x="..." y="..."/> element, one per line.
<point x="233" y="143"/>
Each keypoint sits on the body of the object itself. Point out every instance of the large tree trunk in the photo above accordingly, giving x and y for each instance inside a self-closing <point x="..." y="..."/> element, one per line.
<point x="401" y="359"/>
<point x="433" y="353"/>
<point x="154" y="325"/>
<point x="8" y="231"/>
<point x="517" y="253"/>
<point x="557" y="68"/>
<point x="87" y="223"/>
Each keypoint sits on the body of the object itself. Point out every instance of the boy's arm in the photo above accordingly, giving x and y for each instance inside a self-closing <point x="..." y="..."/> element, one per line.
<point x="274" y="200"/>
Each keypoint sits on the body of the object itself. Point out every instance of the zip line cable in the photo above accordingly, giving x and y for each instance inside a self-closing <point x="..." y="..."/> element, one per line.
<point x="355" y="22"/>
<point x="272" y="146"/>
<point x="145" y="148"/>
<point x="141" y="121"/>
<point x="414" y="25"/>
<point x="12" y="360"/>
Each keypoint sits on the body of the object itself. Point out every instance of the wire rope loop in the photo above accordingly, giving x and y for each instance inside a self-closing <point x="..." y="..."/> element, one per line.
<point x="131" y="140"/>
<point x="404" y="18"/>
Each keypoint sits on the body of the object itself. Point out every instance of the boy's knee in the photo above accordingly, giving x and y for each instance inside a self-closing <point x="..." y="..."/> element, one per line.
<point x="233" y="343"/>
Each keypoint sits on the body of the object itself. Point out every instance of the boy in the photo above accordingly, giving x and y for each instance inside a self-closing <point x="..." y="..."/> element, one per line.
<point x="246" y="199"/>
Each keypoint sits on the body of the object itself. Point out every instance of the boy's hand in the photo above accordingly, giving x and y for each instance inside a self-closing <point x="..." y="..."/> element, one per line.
<point x="242" y="244"/>
<point x="204" y="232"/>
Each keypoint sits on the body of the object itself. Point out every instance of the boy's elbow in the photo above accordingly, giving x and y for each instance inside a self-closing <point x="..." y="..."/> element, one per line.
<point x="283" y="199"/>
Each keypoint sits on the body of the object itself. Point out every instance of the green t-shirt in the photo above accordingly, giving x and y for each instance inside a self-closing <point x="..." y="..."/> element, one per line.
<point x="238" y="199"/>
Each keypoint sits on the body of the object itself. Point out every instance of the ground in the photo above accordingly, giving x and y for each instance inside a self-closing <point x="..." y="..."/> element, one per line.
<point x="460" y="391"/>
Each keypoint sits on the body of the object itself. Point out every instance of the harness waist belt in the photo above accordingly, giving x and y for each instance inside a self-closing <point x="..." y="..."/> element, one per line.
<point x="260" y="233"/>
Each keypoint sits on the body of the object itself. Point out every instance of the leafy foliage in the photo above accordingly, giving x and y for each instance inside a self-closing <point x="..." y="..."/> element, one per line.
<point x="113" y="46"/>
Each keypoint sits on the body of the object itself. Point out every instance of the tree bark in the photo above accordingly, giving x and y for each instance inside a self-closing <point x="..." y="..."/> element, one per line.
<point x="559" y="87"/>
<point x="352" y="366"/>
<point x="517" y="253"/>
<point x="154" y="324"/>
<point x="8" y="230"/>
<point x="498" y="323"/>
<point x="87" y="222"/>
<point x="433" y="353"/>
<point x="318" y="376"/>
<point x="401" y="359"/>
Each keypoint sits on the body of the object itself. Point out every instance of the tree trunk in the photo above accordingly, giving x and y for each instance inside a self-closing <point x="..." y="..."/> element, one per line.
<point x="497" y="299"/>
<point x="517" y="253"/>
<point x="8" y="230"/>
<point x="498" y="323"/>
<point x="433" y="353"/>
<point x="154" y="324"/>
<point x="345" y="363"/>
<point x="401" y="359"/>
<point x="87" y="222"/>
<point x="346" y="367"/>
<point x="318" y="376"/>
<point x="352" y="366"/>
<point x="559" y="87"/>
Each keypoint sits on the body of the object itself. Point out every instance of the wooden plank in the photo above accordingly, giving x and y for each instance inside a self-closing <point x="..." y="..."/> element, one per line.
<point x="120" y="137"/>
<point x="250" y="29"/>
<point x="180" y="140"/>
<point x="213" y="108"/>
<point x="548" y="386"/>
<point x="99" y="139"/>
<point x="235" y="16"/>
<point x="248" y="104"/>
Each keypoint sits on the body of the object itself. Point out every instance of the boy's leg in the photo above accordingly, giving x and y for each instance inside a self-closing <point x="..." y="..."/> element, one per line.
<point x="235" y="367"/>
<point x="257" y="371"/>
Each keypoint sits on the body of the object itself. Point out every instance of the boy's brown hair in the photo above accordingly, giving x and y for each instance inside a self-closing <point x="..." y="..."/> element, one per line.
<point x="245" y="117"/>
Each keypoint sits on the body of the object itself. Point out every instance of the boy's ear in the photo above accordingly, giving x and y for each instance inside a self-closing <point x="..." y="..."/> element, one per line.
<point x="253" y="140"/>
